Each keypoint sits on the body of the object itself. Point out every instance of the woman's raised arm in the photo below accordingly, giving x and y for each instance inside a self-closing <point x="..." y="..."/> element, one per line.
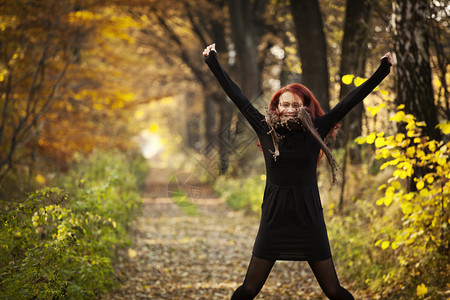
<point x="355" y="96"/>
<point x="253" y="116"/>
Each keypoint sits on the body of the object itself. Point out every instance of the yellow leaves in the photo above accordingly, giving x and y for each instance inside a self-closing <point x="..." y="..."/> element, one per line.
<point x="400" y="174"/>
<point x="383" y="244"/>
<point x="441" y="161"/>
<point x="424" y="192"/>
<point x="360" y="140"/>
<point x="124" y="97"/>
<point x="407" y="208"/>
<point x="444" y="127"/>
<point x="82" y="16"/>
<point x="388" y="200"/>
<point x="380" y="142"/>
<point x="139" y="114"/>
<point x="330" y="211"/>
<point x="420" y="185"/>
<point x="389" y="196"/>
<point x="110" y="23"/>
<point x="383" y="153"/>
<point x="154" y="127"/>
<point x="384" y="92"/>
<point x="396" y="185"/>
<point x="371" y="138"/>
<point x="375" y="109"/>
<point x="3" y="74"/>
<point x="389" y="163"/>
<point x="411" y="151"/>
<point x="358" y="81"/>
<point x="347" y="79"/>
<point x="40" y="179"/>
<point x="398" y="117"/>
<point x="399" y="137"/>
<point x="432" y="145"/>
<point x="132" y="253"/>
<point x="421" y="290"/>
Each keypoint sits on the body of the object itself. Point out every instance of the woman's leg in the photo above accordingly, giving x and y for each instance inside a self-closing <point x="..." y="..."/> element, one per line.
<point x="326" y="276"/>
<point x="257" y="273"/>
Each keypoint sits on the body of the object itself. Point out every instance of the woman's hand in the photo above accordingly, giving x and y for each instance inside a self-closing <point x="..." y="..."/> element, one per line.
<point x="389" y="57"/>
<point x="208" y="49"/>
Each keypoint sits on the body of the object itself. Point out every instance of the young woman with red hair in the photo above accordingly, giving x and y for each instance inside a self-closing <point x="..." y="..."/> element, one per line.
<point x="292" y="137"/>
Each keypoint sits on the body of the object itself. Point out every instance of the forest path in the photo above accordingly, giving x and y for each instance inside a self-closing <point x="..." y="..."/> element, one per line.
<point x="205" y="256"/>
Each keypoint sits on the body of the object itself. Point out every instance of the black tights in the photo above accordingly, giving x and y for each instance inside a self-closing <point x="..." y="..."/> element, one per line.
<point x="259" y="269"/>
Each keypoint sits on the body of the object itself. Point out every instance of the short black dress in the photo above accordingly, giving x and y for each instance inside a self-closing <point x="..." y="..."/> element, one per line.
<point x="292" y="224"/>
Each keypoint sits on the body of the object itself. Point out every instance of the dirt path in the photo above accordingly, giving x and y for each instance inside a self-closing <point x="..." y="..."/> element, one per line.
<point x="178" y="256"/>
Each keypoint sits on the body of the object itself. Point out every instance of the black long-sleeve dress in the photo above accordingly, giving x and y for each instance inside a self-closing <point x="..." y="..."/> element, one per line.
<point x="292" y="224"/>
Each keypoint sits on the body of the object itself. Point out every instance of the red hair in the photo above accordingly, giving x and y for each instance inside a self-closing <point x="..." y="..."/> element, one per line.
<point x="309" y="101"/>
<point x="305" y="95"/>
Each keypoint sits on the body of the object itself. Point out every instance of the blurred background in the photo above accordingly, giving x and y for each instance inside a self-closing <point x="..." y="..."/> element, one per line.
<point x="93" y="93"/>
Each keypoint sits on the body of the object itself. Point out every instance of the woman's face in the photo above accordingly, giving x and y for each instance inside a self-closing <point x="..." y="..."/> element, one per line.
<point x="289" y="104"/>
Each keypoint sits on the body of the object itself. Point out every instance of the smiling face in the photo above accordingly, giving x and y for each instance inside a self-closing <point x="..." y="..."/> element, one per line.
<point x="289" y="104"/>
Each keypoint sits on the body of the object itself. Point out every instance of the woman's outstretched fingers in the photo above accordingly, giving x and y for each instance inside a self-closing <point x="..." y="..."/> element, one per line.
<point x="208" y="49"/>
<point x="389" y="57"/>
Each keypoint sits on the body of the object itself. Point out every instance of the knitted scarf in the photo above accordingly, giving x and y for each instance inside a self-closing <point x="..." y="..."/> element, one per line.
<point x="303" y="122"/>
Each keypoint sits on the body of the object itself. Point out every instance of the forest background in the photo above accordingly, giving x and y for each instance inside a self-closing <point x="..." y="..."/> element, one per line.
<point x="89" y="88"/>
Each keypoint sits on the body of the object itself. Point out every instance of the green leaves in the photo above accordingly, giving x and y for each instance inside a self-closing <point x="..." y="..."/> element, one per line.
<point x="56" y="246"/>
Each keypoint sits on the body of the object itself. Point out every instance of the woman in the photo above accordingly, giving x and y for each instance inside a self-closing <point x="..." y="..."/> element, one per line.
<point x="291" y="136"/>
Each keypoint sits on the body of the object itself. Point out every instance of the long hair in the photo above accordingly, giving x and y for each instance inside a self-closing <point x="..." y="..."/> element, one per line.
<point x="309" y="101"/>
<point x="306" y="96"/>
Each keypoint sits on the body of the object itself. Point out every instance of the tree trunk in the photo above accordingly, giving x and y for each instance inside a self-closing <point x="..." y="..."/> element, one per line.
<point x="246" y="34"/>
<point x="312" y="48"/>
<point x="354" y="53"/>
<point x="358" y="15"/>
<point x="413" y="71"/>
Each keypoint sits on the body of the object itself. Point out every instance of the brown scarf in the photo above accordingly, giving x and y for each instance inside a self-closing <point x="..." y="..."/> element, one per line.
<point x="303" y="120"/>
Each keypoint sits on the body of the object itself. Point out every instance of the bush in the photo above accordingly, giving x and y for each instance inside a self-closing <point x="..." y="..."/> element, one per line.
<point x="242" y="193"/>
<point x="396" y="244"/>
<point x="59" y="243"/>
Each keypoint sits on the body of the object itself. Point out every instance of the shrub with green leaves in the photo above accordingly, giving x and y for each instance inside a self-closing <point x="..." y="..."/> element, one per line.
<point x="242" y="193"/>
<point x="60" y="242"/>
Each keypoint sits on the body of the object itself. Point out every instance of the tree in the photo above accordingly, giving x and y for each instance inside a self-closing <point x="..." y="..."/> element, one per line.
<point x="312" y="48"/>
<point x="413" y="71"/>
<point x="175" y="32"/>
<point x="58" y="85"/>
<point x="247" y="25"/>
<point x="358" y="15"/>
<point x="36" y="52"/>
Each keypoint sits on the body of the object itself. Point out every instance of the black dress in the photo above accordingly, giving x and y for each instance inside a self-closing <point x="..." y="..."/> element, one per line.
<point x="292" y="224"/>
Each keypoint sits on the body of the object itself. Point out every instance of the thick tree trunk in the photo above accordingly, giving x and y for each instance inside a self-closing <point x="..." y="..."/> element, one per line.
<point x="413" y="71"/>
<point x="245" y="17"/>
<point x="247" y="25"/>
<point x="312" y="48"/>
<point x="358" y="15"/>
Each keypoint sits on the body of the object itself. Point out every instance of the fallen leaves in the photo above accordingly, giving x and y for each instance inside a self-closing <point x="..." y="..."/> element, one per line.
<point x="205" y="256"/>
